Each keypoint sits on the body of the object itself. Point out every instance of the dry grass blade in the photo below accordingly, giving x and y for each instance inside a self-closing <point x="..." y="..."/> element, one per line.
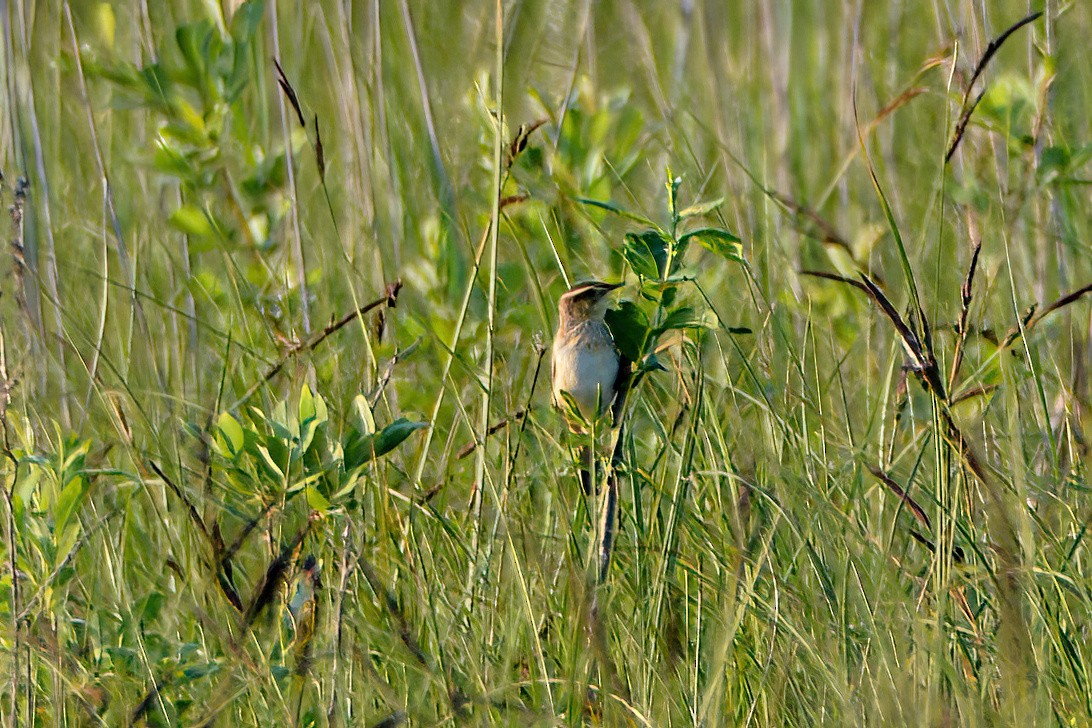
<point x="910" y="341"/>
<point x="1031" y="318"/>
<point x="289" y="92"/>
<point x="190" y="507"/>
<point x="993" y="47"/>
<point x="836" y="278"/>
<point x="390" y="298"/>
<point x="320" y="156"/>
<point x="1065" y="300"/>
<point x="894" y="105"/>
<point x="964" y="312"/>
<point x="967" y="110"/>
<point x="957" y="552"/>
<point x="275" y="574"/>
<point x="895" y="488"/>
<point x="823" y="229"/>
<point x="973" y="392"/>
<point x="961" y="126"/>
<point x="471" y="446"/>
<point x="921" y="356"/>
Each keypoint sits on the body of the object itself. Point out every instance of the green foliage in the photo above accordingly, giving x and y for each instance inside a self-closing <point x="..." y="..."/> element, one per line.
<point x="658" y="259"/>
<point x="233" y="186"/>
<point x="290" y="451"/>
<point x="212" y="514"/>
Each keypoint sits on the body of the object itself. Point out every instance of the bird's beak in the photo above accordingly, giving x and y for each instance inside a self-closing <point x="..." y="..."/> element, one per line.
<point x="608" y="287"/>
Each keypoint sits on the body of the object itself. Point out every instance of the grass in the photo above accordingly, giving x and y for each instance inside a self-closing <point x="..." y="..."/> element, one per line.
<point x="278" y="447"/>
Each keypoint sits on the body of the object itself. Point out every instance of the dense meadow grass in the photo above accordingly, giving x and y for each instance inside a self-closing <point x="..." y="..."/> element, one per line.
<point x="277" y="444"/>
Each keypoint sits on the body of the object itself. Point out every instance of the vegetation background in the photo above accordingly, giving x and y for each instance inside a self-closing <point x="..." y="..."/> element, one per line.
<point x="231" y="500"/>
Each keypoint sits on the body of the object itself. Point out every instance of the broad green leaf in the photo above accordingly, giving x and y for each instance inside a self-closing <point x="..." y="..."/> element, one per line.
<point x="231" y="432"/>
<point x="350" y="484"/>
<point x="68" y="502"/>
<point x="315" y="500"/>
<point x="719" y="241"/>
<point x="307" y="404"/>
<point x="280" y="431"/>
<point x="245" y="21"/>
<point x="684" y="317"/>
<point x="271" y="465"/>
<point x="304" y="483"/>
<point x="361" y="448"/>
<point x="363" y="412"/>
<point x="169" y="160"/>
<point x="150" y="607"/>
<point x="628" y="325"/>
<point x="393" y="434"/>
<point x="200" y="670"/>
<point x="158" y="90"/>
<point x="192" y="40"/>
<point x="307" y="434"/>
<point x="646" y="253"/>
<point x="280" y="415"/>
<point x="667" y="295"/>
<point x="65" y="542"/>
<point x="191" y="220"/>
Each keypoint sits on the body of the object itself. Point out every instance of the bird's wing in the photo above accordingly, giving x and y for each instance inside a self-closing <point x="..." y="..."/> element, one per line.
<point x="621" y="388"/>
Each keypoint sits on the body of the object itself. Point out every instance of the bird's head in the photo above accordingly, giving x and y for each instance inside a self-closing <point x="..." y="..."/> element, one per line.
<point x="585" y="301"/>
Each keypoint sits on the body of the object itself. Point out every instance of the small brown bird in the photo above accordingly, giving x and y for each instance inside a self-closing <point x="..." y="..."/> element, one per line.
<point x="585" y="363"/>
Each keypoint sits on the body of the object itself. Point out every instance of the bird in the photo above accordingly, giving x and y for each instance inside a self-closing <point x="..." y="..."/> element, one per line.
<point x="586" y="368"/>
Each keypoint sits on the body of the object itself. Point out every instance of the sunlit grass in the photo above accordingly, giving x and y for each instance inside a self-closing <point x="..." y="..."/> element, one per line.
<point x="852" y="478"/>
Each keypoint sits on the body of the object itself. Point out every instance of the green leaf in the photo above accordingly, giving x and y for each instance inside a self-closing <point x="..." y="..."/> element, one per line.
<point x="394" y="434"/>
<point x="245" y="21"/>
<point x="67" y="503"/>
<point x="191" y="220"/>
<point x="307" y="434"/>
<point x="667" y="295"/>
<point x="628" y="325"/>
<point x="307" y="408"/>
<point x="647" y="252"/>
<point x="231" y="433"/>
<point x="65" y="542"/>
<point x="718" y="240"/>
<point x="570" y="409"/>
<point x="700" y="208"/>
<point x="684" y="317"/>
<point x="158" y="91"/>
<point x="315" y="500"/>
<point x="271" y="465"/>
<point x="611" y="207"/>
<point x="150" y="607"/>
<point x="651" y="363"/>
<point x="1053" y="163"/>
<point x="170" y="160"/>
<point x="200" y="670"/>
<point x="361" y="448"/>
<point x="363" y="413"/>
<point x="192" y="39"/>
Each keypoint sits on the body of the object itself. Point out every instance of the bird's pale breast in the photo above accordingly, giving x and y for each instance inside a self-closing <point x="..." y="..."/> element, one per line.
<point x="586" y="367"/>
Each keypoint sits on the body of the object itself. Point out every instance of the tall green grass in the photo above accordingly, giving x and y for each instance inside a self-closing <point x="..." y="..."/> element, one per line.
<point x="277" y="439"/>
